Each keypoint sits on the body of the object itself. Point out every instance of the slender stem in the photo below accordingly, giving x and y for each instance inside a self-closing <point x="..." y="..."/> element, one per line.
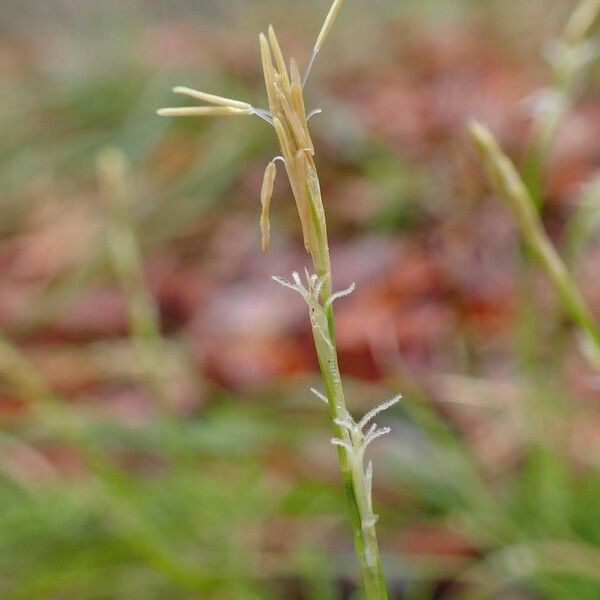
<point x="356" y="483"/>
<point x="126" y="258"/>
<point x="19" y="373"/>
<point x="571" y="54"/>
<point x="581" y="226"/>
<point x="511" y="188"/>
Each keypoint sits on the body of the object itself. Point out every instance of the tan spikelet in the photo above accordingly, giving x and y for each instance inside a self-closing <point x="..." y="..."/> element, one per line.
<point x="303" y="202"/>
<point x="284" y="144"/>
<point x="297" y="102"/>
<point x="278" y="56"/>
<point x="268" y="70"/>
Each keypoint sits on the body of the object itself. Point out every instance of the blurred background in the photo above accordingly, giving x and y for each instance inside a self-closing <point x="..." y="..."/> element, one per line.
<point x="158" y="439"/>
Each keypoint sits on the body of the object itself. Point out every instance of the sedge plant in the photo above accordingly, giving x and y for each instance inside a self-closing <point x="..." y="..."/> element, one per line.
<point x="286" y="113"/>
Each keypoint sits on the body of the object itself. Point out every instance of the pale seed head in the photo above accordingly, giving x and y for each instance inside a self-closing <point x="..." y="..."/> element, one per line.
<point x="288" y="115"/>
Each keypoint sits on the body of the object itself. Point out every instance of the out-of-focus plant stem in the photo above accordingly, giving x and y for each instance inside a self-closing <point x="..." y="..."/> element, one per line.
<point x="511" y="188"/>
<point x="20" y="374"/>
<point x="126" y="259"/>
<point x="24" y="379"/>
<point x="568" y="56"/>
<point x="582" y="225"/>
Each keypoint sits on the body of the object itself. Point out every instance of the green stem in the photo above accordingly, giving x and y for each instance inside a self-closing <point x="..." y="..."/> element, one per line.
<point x="126" y="258"/>
<point x="511" y="188"/>
<point x="357" y="493"/>
<point x="571" y="58"/>
<point x="357" y="487"/>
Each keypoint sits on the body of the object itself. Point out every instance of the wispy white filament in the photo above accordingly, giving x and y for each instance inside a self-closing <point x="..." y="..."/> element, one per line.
<point x="342" y="444"/>
<point x="319" y="395"/>
<point x="313" y="113"/>
<point x="375" y="411"/>
<point x="339" y="295"/>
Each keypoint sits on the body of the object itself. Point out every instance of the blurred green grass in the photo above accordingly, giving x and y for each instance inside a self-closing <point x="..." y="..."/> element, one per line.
<point x="239" y="500"/>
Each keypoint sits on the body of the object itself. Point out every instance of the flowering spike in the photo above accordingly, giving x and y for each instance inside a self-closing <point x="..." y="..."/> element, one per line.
<point x="287" y="114"/>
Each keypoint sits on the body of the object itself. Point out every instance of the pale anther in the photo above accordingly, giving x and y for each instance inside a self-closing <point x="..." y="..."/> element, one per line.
<point x="220" y="100"/>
